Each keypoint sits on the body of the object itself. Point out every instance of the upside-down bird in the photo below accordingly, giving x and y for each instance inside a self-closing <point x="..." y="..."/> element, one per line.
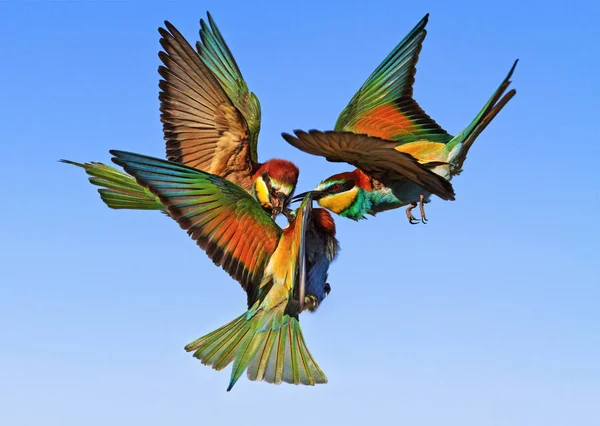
<point x="269" y="262"/>
<point x="382" y="116"/>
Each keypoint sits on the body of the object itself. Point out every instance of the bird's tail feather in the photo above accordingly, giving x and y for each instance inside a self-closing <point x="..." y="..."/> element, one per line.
<point x="465" y="139"/>
<point x="117" y="189"/>
<point x="267" y="344"/>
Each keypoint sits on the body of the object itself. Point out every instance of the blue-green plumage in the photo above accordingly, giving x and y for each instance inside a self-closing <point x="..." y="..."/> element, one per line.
<point x="383" y="116"/>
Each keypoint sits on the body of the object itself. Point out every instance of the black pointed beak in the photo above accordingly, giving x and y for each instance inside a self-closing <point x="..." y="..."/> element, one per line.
<point x="299" y="197"/>
<point x="315" y="196"/>
<point x="279" y="202"/>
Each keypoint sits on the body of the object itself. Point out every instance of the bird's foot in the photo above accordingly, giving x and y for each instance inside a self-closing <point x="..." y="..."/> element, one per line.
<point x="411" y="219"/>
<point x="422" y="208"/>
<point x="311" y="303"/>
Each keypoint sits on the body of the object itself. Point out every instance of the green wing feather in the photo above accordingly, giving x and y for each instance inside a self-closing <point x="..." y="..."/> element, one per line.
<point x="383" y="106"/>
<point x="221" y="217"/>
<point x="491" y="108"/>
<point x="218" y="58"/>
<point x="118" y="190"/>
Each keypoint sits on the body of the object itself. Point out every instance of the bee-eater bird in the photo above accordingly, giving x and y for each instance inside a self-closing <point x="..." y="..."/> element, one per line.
<point x="211" y="122"/>
<point x="237" y="234"/>
<point x="383" y="115"/>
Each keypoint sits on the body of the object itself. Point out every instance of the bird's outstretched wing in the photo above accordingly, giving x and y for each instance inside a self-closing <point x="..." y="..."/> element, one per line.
<point x="206" y="125"/>
<point x="216" y="55"/>
<point x="384" y="107"/>
<point x="374" y="156"/>
<point x="223" y="219"/>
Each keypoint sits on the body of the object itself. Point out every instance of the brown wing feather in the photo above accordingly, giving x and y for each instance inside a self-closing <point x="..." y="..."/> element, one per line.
<point x="202" y="127"/>
<point x="376" y="157"/>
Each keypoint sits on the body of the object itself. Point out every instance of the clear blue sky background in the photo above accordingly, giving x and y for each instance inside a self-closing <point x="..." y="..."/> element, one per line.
<point x="488" y="315"/>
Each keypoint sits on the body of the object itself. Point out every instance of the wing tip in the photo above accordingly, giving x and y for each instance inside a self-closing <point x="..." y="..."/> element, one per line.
<point x="287" y="137"/>
<point x="211" y="21"/>
<point x="74" y="163"/>
<point x="512" y="69"/>
<point x="164" y="32"/>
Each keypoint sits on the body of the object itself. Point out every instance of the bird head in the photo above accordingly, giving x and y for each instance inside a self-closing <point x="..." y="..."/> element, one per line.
<point x="274" y="184"/>
<point x="342" y="194"/>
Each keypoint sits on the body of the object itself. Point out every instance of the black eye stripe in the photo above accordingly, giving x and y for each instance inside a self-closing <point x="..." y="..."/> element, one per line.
<point x="336" y="187"/>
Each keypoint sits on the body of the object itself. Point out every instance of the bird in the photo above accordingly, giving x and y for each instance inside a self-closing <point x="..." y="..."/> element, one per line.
<point x="383" y="116"/>
<point x="211" y="122"/>
<point x="269" y="262"/>
<point x="190" y="134"/>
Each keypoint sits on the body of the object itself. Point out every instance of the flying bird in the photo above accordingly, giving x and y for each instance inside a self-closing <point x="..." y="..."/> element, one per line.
<point x="269" y="263"/>
<point x="211" y="122"/>
<point x="383" y="117"/>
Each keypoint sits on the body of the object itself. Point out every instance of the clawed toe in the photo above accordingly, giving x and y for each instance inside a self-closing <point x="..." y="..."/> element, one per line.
<point x="411" y="219"/>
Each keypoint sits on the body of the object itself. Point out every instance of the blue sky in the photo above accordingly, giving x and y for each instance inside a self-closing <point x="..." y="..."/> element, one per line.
<point x="488" y="315"/>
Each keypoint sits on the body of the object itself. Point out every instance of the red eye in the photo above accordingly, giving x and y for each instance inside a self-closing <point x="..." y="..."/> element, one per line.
<point x="336" y="187"/>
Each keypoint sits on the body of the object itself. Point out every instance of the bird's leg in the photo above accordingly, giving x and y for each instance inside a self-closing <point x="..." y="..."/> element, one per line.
<point x="422" y="208"/>
<point x="411" y="219"/>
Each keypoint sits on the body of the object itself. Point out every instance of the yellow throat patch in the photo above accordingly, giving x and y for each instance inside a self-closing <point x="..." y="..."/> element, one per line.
<point x="339" y="202"/>
<point x="262" y="193"/>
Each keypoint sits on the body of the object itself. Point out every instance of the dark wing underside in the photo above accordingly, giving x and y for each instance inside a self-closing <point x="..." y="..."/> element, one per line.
<point x="202" y="126"/>
<point x="376" y="157"/>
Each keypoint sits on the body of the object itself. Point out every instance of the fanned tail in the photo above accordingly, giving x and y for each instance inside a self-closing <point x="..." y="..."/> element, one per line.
<point x="462" y="142"/>
<point x="268" y="344"/>
<point x="119" y="190"/>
